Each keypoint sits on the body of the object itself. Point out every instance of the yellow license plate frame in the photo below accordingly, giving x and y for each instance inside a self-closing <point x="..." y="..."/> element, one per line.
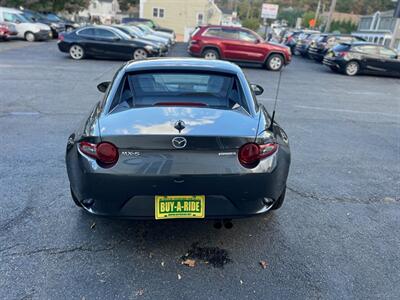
<point x="180" y="207"/>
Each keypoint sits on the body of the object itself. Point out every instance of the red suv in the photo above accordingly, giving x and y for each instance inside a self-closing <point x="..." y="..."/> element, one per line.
<point x="237" y="44"/>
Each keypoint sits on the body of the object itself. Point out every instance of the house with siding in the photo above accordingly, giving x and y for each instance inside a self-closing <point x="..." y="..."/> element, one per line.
<point x="380" y="28"/>
<point x="183" y="16"/>
<point x="102" y="11"/>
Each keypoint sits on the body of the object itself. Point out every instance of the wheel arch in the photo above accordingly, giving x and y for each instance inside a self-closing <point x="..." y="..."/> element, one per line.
<point x="275" y="52"/>
<point x="211" y="47"/>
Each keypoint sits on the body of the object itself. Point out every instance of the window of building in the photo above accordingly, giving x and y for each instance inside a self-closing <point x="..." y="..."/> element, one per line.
<point x="158" y="12"/>
<point x="200" y="18"/>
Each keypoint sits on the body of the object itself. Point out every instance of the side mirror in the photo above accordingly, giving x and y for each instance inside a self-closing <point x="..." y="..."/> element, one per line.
<point x="257" y="89"/>
<point x="102" y="87"/>
<point x="257" y="41"/>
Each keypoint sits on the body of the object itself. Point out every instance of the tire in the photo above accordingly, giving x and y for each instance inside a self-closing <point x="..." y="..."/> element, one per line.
<point x="210" y="54"/>
<point x="76" y="52"/>
<point x="139" y="54"/>
<point x="29" y="36"/>
<point x="76" y="201"/>
<point x="275" y="62"/>
<point x="278" y="203"/>
<point x="352" y="68"/>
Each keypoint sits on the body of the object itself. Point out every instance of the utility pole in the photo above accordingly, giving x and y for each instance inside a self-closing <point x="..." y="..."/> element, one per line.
<point x="331" y="11"/>
<point x="317" y="12"/>
<point x="396" y="30"/>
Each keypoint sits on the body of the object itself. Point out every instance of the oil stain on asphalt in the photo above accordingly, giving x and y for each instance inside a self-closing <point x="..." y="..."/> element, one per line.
<point x="214" y="256"/>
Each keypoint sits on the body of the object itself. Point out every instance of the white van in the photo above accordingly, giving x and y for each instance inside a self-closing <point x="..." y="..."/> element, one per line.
<point x="26" y="29"/>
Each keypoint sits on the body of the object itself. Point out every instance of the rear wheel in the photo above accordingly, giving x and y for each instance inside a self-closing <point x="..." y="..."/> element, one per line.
<point x="352" y="68"/>
<point x="29" y="36"/>
<point x="76" y="52"/>
<point x="275" y="62"/>
<point x="210" y="54"/>
<point x="278" y="203"/>
<point x="139" y="54"/>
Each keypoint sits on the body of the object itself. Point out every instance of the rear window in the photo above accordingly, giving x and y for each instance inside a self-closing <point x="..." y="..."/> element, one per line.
<point x="341" y="48"/>
<point x="212" y="90"/>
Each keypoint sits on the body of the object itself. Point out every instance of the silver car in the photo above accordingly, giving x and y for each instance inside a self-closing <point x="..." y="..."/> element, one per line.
<point x="178" y="138"/>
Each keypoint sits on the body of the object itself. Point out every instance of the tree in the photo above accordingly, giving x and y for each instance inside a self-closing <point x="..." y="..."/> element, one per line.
<point x="48" y="5"/>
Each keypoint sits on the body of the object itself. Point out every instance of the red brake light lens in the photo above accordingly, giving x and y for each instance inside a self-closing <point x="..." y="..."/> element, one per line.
<point x="250" y="154"/>
<point x="342" y="54"/>
<point x="105" y="153"/>
<point x="60" y="37"/>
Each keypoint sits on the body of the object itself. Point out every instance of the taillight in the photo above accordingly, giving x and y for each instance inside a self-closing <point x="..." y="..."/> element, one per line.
<point x="342" y="54"/>
<point x="193" y="42"/>
<point x="250" y="154"/>
<point x="105" y="153"/>
<point x="60" y="37"/>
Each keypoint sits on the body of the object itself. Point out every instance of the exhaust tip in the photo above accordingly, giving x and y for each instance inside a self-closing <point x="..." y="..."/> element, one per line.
<point x="228" y="224"/>
<point x="218" y="225"/>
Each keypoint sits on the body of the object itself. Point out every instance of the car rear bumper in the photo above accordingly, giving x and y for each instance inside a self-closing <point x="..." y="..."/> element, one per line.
<point x="133" y="195"/>
<point x="333" y="62"/>
<point x="63" y="46"/>
<point x="43" y="35"/>
<point x="316" y="54"/>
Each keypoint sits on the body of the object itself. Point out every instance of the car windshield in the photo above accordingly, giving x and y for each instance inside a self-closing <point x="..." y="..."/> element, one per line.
<point x="135" y="30"/>
<point x="53" y="17"/>
<point x="167" y="88"/>
<point x="145" y="29"/>
<point x="23" y="19"/>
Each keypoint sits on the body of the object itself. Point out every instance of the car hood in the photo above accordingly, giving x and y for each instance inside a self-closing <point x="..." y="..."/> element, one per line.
<point x="41" y="26"/>
<point x="129" y="126"/>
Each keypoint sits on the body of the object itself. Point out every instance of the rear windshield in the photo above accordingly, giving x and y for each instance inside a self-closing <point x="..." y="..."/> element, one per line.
<point x="341" y="48"/>
<point x="213" y="90"/>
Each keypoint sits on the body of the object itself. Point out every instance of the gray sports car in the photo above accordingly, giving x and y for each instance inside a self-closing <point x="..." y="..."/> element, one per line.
<point x="178" y="138"/>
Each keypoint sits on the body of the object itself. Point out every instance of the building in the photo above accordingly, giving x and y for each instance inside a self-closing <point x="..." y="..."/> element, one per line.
<point x="101" y="11"/>
<point x="183" y="16"/>
<point x="341" y="17"/>
<point x="380" y="28"/>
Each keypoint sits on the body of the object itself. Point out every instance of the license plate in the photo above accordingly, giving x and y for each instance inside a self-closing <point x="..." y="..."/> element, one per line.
<point x="175" y="207"/>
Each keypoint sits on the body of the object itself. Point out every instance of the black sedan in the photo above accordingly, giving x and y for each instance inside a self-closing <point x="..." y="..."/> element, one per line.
<point x="132" y="33"/>
<point x="362" y="57"/>
<point x="320" y="47"/>
<point x="178" y="138"/>
<point x="105" y="42"/>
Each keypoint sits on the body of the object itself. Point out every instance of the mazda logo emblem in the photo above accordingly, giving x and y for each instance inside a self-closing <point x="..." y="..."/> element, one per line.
<point x="179" y="142"/>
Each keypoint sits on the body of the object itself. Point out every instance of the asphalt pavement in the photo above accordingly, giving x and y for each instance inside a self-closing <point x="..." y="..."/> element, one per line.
<point x="337" y="236"/>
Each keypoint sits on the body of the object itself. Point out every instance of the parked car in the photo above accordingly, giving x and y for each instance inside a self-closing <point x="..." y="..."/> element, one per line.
<point x="7" y="30"/>
<point x="318" y="48"/>
<point x="290" y="39"/>
<point x="140" y="33"/>
<point x="304" y="41"/>
<point x="132" y="33"/>
<point x="56" y="26"/>
<point x="237" y="44"/>
<point x="53" y="17"/>
<point x="26" y="29"/>
<point x="159" y="146"/>
<point x="147" y="30"/>
<point x="104" y="42"/>
<point x="362" y="57"/>
<point x="153" y="25"/>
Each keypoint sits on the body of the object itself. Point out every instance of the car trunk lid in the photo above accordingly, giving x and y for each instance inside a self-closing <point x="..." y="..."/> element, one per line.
<point x="153" y="128"/>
